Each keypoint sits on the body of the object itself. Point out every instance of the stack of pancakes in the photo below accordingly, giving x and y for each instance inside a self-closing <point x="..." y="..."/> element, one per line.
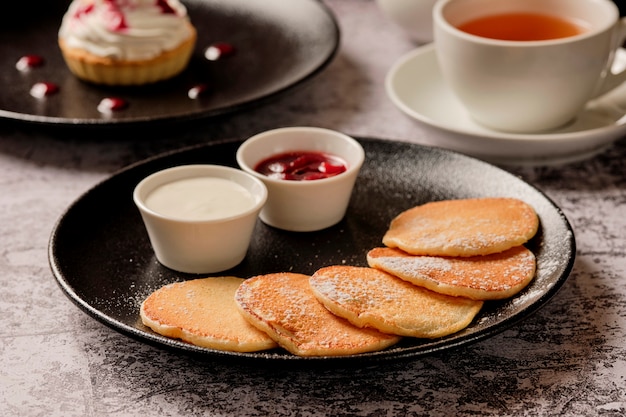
<point x="442" y="260"/>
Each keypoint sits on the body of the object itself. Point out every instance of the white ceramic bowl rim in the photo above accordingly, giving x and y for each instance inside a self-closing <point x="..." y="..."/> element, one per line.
<point x="260" y="195"/>
<point x="360" y="157"/>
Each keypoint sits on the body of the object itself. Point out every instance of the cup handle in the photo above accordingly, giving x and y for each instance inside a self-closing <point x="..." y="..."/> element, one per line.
<point x="614" y="79"/>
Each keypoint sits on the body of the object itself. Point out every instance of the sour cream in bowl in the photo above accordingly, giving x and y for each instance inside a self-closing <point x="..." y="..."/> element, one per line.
<point x="200" y="218"/>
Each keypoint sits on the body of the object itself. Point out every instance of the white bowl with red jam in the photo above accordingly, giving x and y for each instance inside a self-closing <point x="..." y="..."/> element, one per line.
<point x="309" y="173"/>
<point x="200" y="218"/>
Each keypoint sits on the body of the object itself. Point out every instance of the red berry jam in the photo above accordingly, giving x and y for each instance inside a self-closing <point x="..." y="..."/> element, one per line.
<point x="115" y="19"/>
<point x="301" y="166"/>
<point x="82" y="11"/>
<point x="219" y="50"/>
<point x="43" y="89"/>
<point x="111" y="104"/>
<point x="165" y="7"/>
<point x="28" y="62"/>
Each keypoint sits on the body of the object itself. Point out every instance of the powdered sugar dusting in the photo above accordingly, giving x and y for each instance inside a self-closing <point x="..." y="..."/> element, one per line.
<point x="490" y="273"/>
<point x="462" y="227"/>
<point x="287" y="304"/>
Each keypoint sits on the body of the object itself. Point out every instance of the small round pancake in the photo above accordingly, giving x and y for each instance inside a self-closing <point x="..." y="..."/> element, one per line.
<point x="203" y="312"/>
<point x="468" y="227"/>
<point x="489" y="277"/>
<point x="369" y="297"/>
<point x="283" y="306"/>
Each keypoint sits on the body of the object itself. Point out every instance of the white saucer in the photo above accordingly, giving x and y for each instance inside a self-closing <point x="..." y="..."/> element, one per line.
<point x="414" y="84"/>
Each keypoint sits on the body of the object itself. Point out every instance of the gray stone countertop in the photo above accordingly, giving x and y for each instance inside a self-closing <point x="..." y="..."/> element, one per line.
<point x="567" y="359"/>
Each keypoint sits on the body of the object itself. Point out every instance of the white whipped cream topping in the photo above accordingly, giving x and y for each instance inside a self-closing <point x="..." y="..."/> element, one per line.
<point x="125" y="29"/>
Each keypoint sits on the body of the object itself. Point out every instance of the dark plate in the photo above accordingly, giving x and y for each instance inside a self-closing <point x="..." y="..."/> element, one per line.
<point x="102" y="259"/>
<point x="280" y="44"/>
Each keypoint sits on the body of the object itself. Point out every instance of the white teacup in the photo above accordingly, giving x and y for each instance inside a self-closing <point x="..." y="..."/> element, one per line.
<point x="528" y="85"/>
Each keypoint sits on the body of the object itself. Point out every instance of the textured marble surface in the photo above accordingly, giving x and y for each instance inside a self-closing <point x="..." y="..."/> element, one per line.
<point x="567" y="359"/>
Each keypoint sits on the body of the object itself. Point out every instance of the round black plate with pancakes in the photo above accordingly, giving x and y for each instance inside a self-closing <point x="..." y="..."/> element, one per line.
<point x="101" y="257"/>
<point x="279" y="45"/>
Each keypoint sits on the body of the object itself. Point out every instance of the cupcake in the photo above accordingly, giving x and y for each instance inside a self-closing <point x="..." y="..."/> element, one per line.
<point x="126" y="42"/>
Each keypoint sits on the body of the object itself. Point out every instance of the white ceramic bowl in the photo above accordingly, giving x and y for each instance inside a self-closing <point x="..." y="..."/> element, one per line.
<point x="205" y="243"/>
<point x="303" y="206"/>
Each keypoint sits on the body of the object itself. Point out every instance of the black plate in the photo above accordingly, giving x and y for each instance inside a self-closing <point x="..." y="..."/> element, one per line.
<point x="280" y="44"/>
<point x="102" y="259"/>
